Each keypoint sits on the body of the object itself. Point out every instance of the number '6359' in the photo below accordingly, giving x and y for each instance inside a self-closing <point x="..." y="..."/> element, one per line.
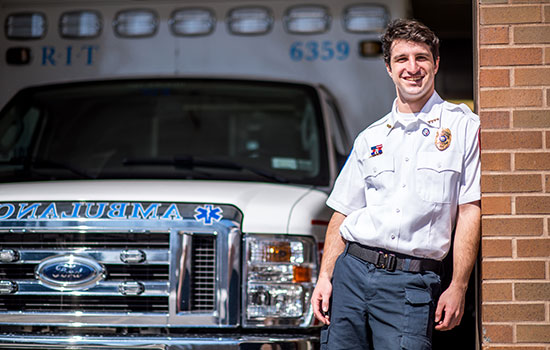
<point x="314" y="50"/>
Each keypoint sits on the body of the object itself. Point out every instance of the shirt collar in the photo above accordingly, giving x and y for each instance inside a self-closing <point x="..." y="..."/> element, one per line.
<point x="430" y="113"/>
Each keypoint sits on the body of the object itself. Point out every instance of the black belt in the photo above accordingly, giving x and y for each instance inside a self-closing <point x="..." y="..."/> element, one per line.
<point x="393" y="261"/>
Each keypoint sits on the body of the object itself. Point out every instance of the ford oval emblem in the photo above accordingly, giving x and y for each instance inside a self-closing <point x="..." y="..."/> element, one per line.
<point x="70" y="272"/>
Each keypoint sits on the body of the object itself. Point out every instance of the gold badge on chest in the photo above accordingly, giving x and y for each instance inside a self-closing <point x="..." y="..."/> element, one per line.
<point x="443" y="139"/>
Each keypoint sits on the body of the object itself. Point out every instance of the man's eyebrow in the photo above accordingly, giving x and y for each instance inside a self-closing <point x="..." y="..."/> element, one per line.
<point x="419" y="54"/>
<point x="399" y="56"/>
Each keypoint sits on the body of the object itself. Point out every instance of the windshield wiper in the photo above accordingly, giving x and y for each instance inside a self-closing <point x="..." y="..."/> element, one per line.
<point x="190" y="162"/>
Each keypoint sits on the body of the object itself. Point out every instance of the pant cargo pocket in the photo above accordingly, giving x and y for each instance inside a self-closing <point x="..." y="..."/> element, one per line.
<point x="418" y="312"/>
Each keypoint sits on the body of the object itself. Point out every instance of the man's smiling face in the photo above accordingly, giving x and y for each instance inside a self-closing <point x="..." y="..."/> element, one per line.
<point x="412" y="69"/>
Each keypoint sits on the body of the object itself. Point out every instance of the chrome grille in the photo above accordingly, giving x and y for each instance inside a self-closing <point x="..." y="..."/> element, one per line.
<point x="203" y="275"/>
<point x="154" y="267"/>
<point x="137" y="272"/>
<point x="60" y="240"/>
<point x="53" y="303"/>
<point x="106" y="248"/>
<point x="114" y="272"/>
<point x="17" y="271"/>
<point x="81" y="347"/>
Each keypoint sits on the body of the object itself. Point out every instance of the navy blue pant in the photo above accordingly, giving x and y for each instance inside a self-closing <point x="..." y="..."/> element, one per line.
<point x="374" y="309"/>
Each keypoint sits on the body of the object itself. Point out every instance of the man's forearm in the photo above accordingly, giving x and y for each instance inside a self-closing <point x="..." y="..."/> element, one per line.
<point x="334" y="245"/>
<point x="466" y="243"/>
<point x="450" y="307"/>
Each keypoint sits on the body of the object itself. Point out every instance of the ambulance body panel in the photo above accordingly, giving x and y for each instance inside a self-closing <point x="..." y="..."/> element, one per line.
<point x="164" y="166"/>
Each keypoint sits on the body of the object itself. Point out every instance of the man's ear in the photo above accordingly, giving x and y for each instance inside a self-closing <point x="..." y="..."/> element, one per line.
<point x="388" y="69"/>
<point x="436" y="65"/>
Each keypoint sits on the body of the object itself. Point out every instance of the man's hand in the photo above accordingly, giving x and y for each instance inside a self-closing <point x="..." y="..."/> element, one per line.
<point x="320" y="300"/>
<point x="450" y="308"/>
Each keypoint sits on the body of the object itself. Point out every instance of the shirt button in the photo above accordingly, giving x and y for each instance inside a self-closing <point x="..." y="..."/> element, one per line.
<point x="392" y="236"/>
<point x="374" y="169"/>
<point x="403" y="185"/>
<point x="406" y="159"/>
<point x="397" y="210"/>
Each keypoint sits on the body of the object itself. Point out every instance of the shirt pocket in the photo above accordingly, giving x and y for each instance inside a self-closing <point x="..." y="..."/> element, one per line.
<point x="437" y="174"/>
<point x="379" y="175"/>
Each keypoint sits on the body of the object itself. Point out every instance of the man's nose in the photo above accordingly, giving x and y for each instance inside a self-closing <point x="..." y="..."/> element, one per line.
<point x="412" y="65"/>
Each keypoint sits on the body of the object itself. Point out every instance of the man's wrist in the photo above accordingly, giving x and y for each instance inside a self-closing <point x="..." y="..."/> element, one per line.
<point x="459" y="285"/>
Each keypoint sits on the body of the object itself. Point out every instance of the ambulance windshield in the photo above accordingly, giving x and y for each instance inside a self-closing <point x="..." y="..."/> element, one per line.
<point x="165" y="129"/>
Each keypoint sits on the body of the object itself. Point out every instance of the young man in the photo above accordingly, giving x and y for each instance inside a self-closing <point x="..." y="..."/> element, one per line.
<point x="411" y="180"/>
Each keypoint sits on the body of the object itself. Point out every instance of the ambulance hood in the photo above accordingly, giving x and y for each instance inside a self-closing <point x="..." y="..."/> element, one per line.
<point x="266" y="208"/>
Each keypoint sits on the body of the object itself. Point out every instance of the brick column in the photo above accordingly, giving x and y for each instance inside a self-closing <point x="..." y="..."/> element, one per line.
<point x="513" y="101"/>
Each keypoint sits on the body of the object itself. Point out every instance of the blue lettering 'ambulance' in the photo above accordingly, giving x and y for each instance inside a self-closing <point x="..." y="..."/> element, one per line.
<point x="206" y="214"/>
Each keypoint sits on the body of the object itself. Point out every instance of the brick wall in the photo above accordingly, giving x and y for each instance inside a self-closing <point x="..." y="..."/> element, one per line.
<point x="513" y="101"/>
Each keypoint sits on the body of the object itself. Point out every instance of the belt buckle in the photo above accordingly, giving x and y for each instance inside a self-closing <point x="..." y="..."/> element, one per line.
<point x="386" y="261"/>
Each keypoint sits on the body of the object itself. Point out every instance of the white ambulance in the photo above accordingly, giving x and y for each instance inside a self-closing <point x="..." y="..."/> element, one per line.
<point x="164" y="166"/>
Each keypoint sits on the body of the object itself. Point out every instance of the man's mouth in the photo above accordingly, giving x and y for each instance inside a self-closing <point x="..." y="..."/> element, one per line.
<point x="415" y="78"/>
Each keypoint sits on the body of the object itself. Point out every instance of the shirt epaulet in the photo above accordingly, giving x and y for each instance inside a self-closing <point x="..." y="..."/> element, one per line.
<point x="380" y="121"/>
<point x="463" y="108"/>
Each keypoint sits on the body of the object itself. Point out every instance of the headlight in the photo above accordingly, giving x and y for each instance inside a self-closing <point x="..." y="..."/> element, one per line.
<point x="280" y="272"/>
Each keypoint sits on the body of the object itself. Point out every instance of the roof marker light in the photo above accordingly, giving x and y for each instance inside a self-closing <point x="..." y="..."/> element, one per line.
<point x="366" y="18"/>
<point x="307" y="19"/>
<point x="370" y="48"/>
<point x="80" y="24"/>
<point x="25" y="26"/>
<point x="138" y="23"/>
<point x="18" y="56"/>
<point x="250" y="20"/>
<point x="192" y="22"/>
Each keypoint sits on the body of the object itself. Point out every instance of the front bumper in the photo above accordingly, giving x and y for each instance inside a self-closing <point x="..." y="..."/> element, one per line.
<point x="187" y="342"/>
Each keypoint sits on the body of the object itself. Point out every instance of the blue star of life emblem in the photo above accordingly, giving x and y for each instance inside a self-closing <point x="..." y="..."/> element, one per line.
<point x="208" y="214"/>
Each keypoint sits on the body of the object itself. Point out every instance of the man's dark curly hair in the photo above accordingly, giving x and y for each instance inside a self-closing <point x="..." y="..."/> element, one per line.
<point x="409" y="30"/>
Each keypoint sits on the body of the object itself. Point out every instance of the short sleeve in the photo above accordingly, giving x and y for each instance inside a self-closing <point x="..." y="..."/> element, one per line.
<point x="470" y="190"/>
<point x="348" y="193"/>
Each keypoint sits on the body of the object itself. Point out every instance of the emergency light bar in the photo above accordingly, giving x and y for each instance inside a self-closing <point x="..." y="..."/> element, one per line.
<point x="196" y="21"/>
<point x="307" y="19"/>
<point x="366" y="18"/>
<point x="80" y="24"/>
<point x="249" y="20"/>
<point x="25" y="26"/>
<point x="136" y="23"/>
<point x="192" y="22"/>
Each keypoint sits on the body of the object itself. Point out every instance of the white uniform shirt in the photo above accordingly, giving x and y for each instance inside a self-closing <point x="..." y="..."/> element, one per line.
<point x="400" y="191"/>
